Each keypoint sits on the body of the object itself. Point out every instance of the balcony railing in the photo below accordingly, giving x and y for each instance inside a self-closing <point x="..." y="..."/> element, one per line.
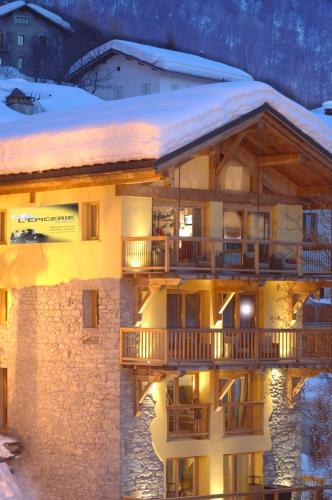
<point x="162" y="347"/>
<point x="317" y="313"/>
<point x="225" y="256"/>
<point x="188" y="421"/>
<point x="267" y="493"/>
<point x="243" y="417"/>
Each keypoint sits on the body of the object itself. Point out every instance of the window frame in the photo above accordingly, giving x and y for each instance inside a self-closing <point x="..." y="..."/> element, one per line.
<point x="91" y="294"/>
<point x="87" y="221"/>
<point x="3" y="307"/>
<point x="20" y="37"/>
<point x="19" y="20"/>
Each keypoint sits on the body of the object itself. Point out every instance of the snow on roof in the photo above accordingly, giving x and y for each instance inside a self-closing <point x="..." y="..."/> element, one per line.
<point x="165" y="59"/>
<point x="327" y="119"/>
<point x="18" y="4"/>
<point x="51" y="97"/>
<point x="144" y="127"/>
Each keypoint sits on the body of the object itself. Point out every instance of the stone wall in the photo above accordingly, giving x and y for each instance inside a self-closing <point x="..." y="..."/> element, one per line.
<point x="64" y="390"/>
<point x="142" y="473"/>
<point x="282" y="465"/>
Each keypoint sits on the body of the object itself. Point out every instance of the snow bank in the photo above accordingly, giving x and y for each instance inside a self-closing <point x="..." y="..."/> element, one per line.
<point x="145" y="127"/>
<point x="50" y="96"/>
<point x="169" y="60"/>
<point x="47" y="14"/>
<point x="9" y="488"/>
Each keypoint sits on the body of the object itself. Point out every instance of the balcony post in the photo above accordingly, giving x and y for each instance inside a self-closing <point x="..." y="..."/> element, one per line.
<point x="213" y="256"/>
<point x="299" y="266"/>
<point x="256" y="257"/>
<point x="166" y="242"/>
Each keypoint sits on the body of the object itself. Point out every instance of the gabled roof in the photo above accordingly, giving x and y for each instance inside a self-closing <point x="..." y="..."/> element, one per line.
<point x="47" y="14"/>
<point x="163" y="59"/>
<point x="147" y="127"/>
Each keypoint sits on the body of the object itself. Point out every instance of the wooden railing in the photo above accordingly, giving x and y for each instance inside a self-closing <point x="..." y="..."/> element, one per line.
<point x="158" y="346"/>
<point x="215" y="255"/>
<point x="245" y="417"/>
<point x="317" y="313"/>
<point x="270" y="493"/>
<point x="188" y="421"/>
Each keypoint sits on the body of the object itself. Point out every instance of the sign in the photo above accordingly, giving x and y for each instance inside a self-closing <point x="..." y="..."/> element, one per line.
<point x="49" y="224"/>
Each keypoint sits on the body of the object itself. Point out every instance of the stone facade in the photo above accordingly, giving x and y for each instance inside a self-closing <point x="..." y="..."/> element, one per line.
<point x="64" y="390"/>
<point x="282" y="465"/>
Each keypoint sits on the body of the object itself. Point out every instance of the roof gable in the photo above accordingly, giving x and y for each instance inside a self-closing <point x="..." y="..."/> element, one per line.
<point x="37" y="9"/>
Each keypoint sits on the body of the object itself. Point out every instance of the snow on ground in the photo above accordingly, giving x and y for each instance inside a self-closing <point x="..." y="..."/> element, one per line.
<point x="51" y="97"/>
<point x="18" y="4"/>
<point x="9" y="488"/>
<point x="327" y="119"/>
<point x="169" y="60"/>
<point x="144" y="127"/>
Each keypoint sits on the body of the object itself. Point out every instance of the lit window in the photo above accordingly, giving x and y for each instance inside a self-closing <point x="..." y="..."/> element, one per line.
<point x="117" y="92"/>
<point x="22" y="19"/>
<point x="20" y="62"/>
<point x="145" y="88"/>
<point x="2" y="227"/>
<point x="90" y="221"/>
<point x="20" y="40"/>
<point x="3" y="306"/>
<point x="90" y="302"/>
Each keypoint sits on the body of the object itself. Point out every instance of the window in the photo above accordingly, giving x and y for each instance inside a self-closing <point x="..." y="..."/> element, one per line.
<point x="2" y="39"/>
<point x="181" y="477"/>
<point x="90" y="221"/>
<point x="22" y="20"/>
<point x="310" y="226"/>
<point x="1" y="61"/>
<point x="20" y="62"/>
<point x="2" y="227"/>
<point x="20" y="40"/>
<point x="43" y="42"/>
<point x="3" y="399"/>
<point x="90" y="304"/>
<point x="118" y="68"/>
<point x="242" y="471"/>
<point x="3" y="306"/>
<point x="145" y="88"/>
<point x="117" y="92"/>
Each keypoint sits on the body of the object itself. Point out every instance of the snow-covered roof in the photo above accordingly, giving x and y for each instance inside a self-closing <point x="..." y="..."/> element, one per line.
<point x="164" y="59"/>
<point x="144" y="127"/>
<point x="51" y="97"/>
<point x="327" y="119"/>
<point x="47" y="14"/>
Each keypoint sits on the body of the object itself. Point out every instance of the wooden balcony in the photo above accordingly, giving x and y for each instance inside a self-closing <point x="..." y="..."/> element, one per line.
<point x="161" y="254"/>
<point x="188" y="421"/>
<point x="273" y="492"/>
<point x="243" y="418"/>
<point x="221" y="347"/>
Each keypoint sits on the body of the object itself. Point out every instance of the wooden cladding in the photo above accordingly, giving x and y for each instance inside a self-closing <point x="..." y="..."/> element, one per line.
<point x="217" y="255"/>
<point x="211" y="347"/>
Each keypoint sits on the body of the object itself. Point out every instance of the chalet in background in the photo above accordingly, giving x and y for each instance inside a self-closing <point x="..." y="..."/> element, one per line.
<point x="119" y="69"/>
<point x="32" y="39"/>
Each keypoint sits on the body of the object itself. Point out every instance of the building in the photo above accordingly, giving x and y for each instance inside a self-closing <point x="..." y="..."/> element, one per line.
<point x="119" y="69"/>
<point x="32" y="39"/>
<point x="153" y="277"/>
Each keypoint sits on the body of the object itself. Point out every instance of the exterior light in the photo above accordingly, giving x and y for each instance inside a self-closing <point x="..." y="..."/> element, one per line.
<point x="246" y="309"/>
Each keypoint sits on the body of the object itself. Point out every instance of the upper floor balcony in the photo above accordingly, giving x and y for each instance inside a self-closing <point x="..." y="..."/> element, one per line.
<point x="208" y="348"/>
<point x="217" y="256"/>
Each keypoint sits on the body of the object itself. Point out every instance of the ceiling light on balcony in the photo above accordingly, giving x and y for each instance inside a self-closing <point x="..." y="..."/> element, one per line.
<point x="246" y="309"/>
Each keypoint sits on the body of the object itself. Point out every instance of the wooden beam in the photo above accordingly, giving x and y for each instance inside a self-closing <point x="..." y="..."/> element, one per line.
<point x="227" y="301"/>
<point x="78" y="181"/>
<point x="227" y="386"/>
<point x="230" y="151"/>
<point x="280" y="160"/>
<point x="316" y="190"/>
<point x="227" y="196"/>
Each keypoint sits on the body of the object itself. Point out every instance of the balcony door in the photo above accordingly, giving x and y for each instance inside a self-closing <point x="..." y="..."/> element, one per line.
<point x="181" y="477"/>
<point x="241" y="311"/>
<point x="184" y="310"/>
<point x="242" y="472"/>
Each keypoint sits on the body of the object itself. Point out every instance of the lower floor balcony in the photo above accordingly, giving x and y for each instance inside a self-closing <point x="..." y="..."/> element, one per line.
<point x="245" y="417"/>
<point x="222" y="347"/>
<point x="188" y="421"/>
